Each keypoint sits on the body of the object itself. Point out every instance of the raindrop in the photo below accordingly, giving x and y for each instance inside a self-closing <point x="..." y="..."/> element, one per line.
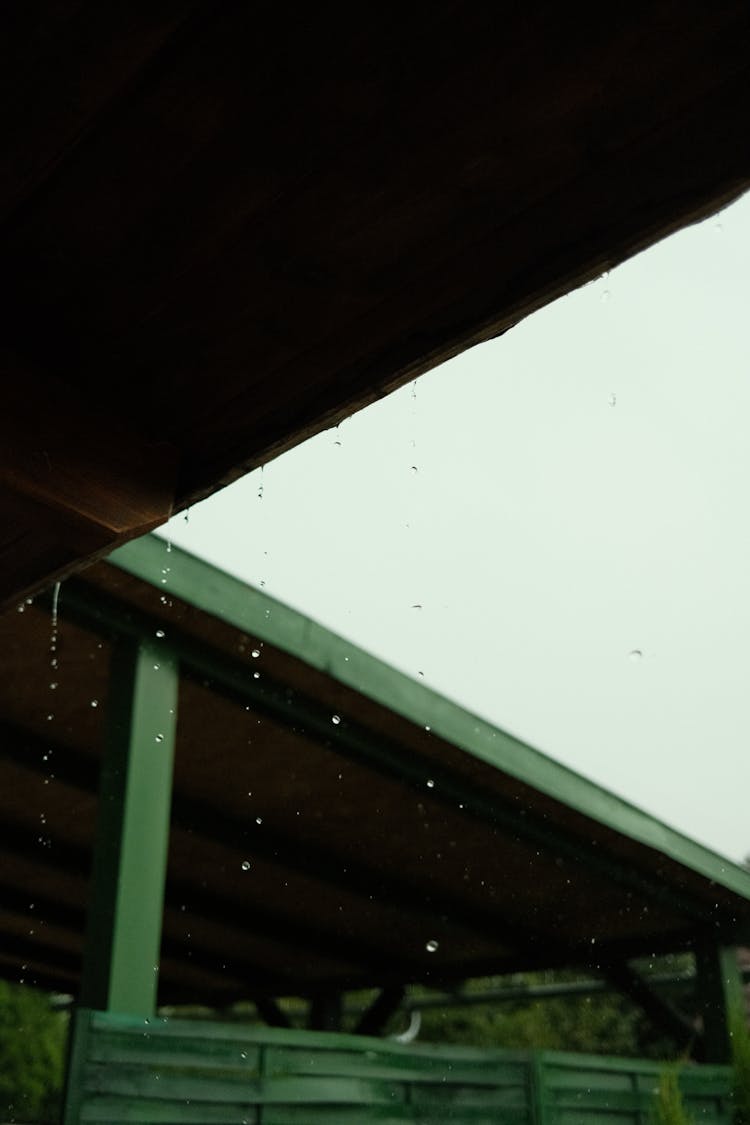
<point x="256" y="675"/>
<point x="430" y="783"/>
<point x="156" y="667"/>
<point x="255" y="653"/>
<point x="159" y="738"/>
<point x="160" y="633"/>
<point x="417" y="606"/>
<point x="187" y="515"/>
<point x="246" y="865"/>
<point x="259" y="820"/>
<point x="612" y="400"/>
<point x="169" y="547"/>
<point x="53" y="686"/>
<point x="94" y="702"/>
<point x="635" y="656"/>
<point x="21" y="608"/>
<point x="431" y="946"/>
<point x="335" y="719"/>
<point x="428" y="729"/>
<point x="606" y="296"/>
<point x="414" y="469"/>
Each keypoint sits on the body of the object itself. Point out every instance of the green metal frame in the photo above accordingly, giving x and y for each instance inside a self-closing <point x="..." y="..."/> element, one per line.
<point x="130" y="854"/>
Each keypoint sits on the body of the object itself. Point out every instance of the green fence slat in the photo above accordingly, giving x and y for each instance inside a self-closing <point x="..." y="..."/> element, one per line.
<point x="159" y="1071"/>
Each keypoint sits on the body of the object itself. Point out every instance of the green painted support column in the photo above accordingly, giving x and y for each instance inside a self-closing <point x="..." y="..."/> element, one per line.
<point x="121" y="957"/>
<point x="720" y="995"/>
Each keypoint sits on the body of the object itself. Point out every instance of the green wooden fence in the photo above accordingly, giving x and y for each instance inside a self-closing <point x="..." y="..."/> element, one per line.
<point x="126" y="1069"/>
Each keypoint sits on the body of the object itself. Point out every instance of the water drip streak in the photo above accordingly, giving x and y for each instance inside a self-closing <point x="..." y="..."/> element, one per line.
<point x="55" y="600"/>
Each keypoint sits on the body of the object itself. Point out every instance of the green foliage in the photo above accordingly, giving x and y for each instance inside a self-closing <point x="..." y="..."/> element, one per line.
<point x="740" y="1070"/>
<point x="669" y="1108"/>
<point x="32" y="1053"/>
<point x="599" y="1023"/>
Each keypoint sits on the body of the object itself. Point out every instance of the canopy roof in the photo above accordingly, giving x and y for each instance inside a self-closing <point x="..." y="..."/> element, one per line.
<point x="225" y="226"/>
<point x="335" y="824"/>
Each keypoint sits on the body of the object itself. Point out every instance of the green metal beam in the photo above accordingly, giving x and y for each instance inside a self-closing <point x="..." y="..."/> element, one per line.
<point x="130" y="854"/>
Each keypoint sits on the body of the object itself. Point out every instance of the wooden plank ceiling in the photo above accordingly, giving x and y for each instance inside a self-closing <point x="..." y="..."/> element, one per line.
<point x="224" y="227"/>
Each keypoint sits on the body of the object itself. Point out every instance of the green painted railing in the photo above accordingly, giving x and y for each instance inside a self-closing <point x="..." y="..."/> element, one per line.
<point x="125" y="1069"/>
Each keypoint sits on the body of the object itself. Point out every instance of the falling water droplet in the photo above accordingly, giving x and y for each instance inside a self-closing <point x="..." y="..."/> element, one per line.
<point x="255" y="653"/>
<point x="431" y="946"/>
<point x="159" y="738"/>
<point x="612" y="400"/>
<point x="259" y="820"/>
<point x="160" y="633"/>
<point x="606" y="296"/>
<point x="335" y="719"/>
<point x="246" y="865"/>
<point x="430" y="783"/>
<point x="635" y="656"/>
<point x="94" y="702"/>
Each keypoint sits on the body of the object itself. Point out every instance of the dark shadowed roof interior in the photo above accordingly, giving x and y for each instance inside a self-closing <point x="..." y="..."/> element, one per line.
<point x="224" y="227"/>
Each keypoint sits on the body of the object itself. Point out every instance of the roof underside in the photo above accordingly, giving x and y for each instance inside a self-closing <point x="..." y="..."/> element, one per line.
<point x="228" y="227"/>
<point x="404" y="823"/>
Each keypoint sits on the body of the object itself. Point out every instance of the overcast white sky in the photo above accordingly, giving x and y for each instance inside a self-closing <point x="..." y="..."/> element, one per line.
<point x="568" y="506"/>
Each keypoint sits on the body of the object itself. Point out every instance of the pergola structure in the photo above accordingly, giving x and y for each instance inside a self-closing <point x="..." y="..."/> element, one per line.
<point x="207" y="798"/>
<point x="225" y="226"/>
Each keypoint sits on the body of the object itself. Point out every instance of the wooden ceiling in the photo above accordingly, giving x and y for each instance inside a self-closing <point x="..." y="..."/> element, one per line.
<point x="223" y="227"/>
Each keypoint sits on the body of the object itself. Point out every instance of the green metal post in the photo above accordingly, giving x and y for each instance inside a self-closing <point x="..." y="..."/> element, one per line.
<point x="130" y="855"/>
<point x="720" y="995"/>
